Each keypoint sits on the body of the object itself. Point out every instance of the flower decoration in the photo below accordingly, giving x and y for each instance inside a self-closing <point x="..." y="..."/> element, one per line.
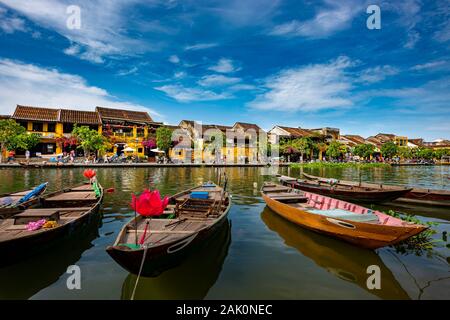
<point x="89" y="173"/>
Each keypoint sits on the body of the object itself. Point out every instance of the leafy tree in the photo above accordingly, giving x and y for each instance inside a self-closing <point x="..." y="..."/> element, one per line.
<point x="27" y="141"/>
<point x="336" y="149"/>
<point x="90" y="140"/>
<point x="439" y="153"/>
<point x="13" y="136"/>
<point x="425" y="153"/>
<point x="164" y="139"/>
<point x="405" y="152"/>
<point x="303" y="145"/>
<point x="364" y="150"/>
<point x="389" y="149"/>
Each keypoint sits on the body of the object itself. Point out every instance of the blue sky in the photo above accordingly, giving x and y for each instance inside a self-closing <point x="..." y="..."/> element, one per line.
<point x="295" y="63"/>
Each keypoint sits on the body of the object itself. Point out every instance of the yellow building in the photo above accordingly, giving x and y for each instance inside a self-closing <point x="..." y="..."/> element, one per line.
<point x="239" y="144"/>
<point x="122" y="128"/>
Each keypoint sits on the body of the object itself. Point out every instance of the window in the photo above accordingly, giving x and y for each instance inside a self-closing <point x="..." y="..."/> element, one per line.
<point x="51" y="127"/>
<point x="24" y="124"/>
<point x="139" y="150"/>
<point x="37" y="126"/>
<point x="67" y="127"/>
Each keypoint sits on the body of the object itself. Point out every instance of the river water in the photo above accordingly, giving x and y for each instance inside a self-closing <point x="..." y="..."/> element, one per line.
<point x="258" y="255"/>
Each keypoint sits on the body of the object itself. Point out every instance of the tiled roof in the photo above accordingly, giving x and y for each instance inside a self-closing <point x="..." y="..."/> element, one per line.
<point x="355" y="138"/>
<point x="247" y="126"/>
<point x="81" y="117"/>
<point x="296" y="132"/>
<point x="36" y="114"/>
<point x="137" y="116"/>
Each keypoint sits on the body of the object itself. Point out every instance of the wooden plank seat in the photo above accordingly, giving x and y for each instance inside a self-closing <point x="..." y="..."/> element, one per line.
<point x="73" y="196"/>
<point x="34" y="215"/>
<point x="54" y="214"/>
<point x="276" y="189"/>
<point x="85" y="187"/>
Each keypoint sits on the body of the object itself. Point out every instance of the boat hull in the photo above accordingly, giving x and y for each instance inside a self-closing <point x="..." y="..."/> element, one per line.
<point x="348" y="195"/>
<point x="161" y="258"/>
<point x="425" y="197"/>
<point x="370" y="236"/>
<point x="17" y="249"/>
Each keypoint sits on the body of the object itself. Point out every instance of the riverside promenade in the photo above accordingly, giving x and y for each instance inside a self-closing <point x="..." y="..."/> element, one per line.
<point x="145" y="164"/>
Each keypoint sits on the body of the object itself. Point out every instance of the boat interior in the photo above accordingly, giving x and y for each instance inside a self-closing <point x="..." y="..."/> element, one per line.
<point x="60" y="208"/>
<point x="187" y="213"/>
<point x="326" y="206"/>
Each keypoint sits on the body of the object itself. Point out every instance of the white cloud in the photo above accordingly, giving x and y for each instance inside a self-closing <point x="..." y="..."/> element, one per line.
<point x="200" y="46"/>
<point x="243" y="86"/>
<point x="186" y="94"/>
<point x="432" y="97"/>
<point x="217" y="80"/>
<point x="412" y="38"/>
<point x="377" y="73"/>
<point x="103" y="25"/>
<point x="10" y="24"/>
<point x="179" y="74"/>
<point x="174" y="59"/>
<point x="133" y="70"/>
<point x="224" y="66"/>
<point x="308" y="88"/>
<point x="429" y="65"/>
<point x="336" y="16"/>
<point x="29" y="84"/>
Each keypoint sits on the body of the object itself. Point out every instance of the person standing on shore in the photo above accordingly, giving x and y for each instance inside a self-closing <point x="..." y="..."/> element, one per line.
<point x="11" y="156"/>
<point x="27" y="156"/>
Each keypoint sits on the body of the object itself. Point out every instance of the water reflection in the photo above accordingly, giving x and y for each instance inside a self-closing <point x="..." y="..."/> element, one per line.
<point x="190" y="280"/>
<point x="24" y="279"/>
<point x="343" y="260"/>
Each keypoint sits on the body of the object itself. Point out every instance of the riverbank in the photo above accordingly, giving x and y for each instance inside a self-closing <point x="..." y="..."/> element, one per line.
<point x="319" y="165"/>
<point x="130" y="165"/>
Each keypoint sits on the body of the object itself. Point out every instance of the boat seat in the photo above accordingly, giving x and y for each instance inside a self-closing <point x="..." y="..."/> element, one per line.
<point x="346" y="215"/>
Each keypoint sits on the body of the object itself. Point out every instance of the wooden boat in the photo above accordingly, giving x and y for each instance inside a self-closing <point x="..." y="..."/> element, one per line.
<point x="170" y="241"/>
<point x="420" y="196"/>
<point x="69" y="209"/>
<point x="343" y="220"/>
<point x="345" y="192"/>
<point x="190" y="280"/>
<point x="12" y="203"/>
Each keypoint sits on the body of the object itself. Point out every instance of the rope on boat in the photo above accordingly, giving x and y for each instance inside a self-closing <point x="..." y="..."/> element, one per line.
<point x="140" y="271"/>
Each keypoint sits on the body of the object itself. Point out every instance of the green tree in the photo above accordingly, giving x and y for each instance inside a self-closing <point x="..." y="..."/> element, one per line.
<point x="439" y="153"/>
<point x="364" y="150"/>
<point x="30" y="141"/>
<point x="164" y="139"/>
<point x="336" y="149"/>
<point x="11" y="135"/>
<point x="303" y="145"/>
<point x="90" y="140"/>
<point x="389" y="149"/>
<point x="425" y="153"/>
<point x="406" y="153"/>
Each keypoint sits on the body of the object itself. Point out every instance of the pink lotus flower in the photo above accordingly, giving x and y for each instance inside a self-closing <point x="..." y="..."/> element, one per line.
<point x="149" y="203"/>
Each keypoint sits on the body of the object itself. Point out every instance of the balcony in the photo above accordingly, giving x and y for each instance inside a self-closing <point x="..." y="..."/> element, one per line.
<point x="46" y="135"/>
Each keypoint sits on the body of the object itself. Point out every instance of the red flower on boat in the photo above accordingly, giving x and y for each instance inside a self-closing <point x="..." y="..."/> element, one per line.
<point x="149" y="203"/>
<point x="89" y="173"/>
